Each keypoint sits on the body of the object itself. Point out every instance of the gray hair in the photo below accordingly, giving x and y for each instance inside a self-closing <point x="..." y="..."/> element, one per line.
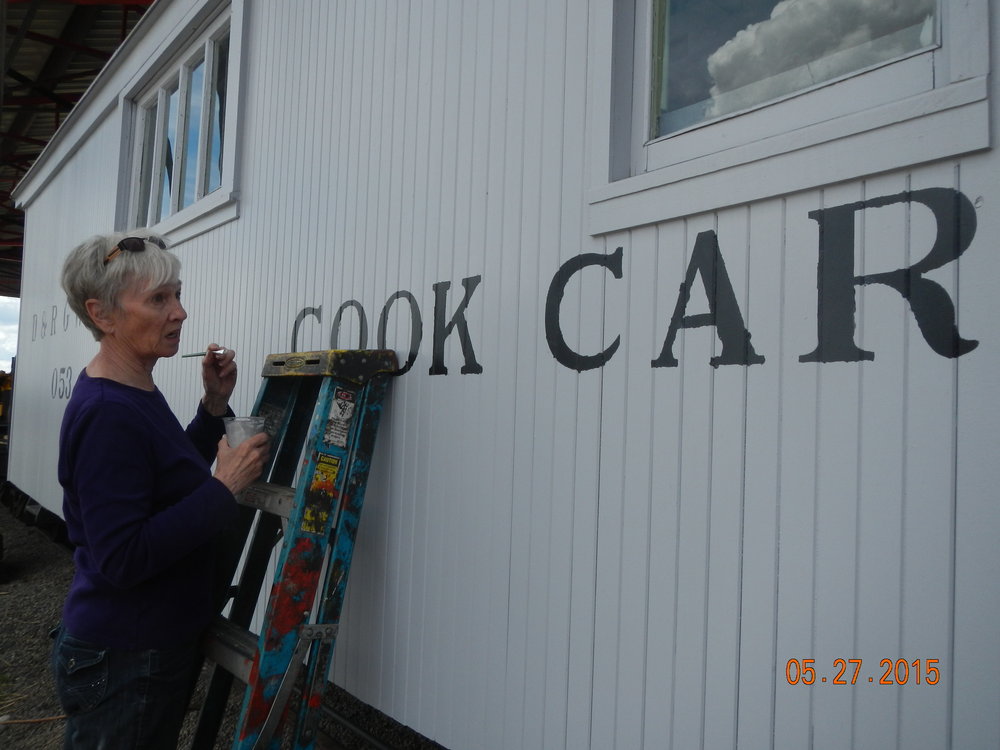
<point x="86" y="273"/>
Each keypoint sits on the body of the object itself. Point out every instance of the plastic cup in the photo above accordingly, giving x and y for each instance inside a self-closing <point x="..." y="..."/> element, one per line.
<point x="239" y="429"/>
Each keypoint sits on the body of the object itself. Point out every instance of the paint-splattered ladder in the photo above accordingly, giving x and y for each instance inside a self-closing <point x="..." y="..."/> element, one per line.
<point x="322" y="411"/>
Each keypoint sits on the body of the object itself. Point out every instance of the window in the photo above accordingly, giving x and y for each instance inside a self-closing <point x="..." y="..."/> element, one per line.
<point x="747" y="99"/>
<point x="183" y="162"/>
<point x="710" y="59"/>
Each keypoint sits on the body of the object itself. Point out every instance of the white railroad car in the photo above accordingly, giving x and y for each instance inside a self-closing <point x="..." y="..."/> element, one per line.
<point x="697" y="445"/>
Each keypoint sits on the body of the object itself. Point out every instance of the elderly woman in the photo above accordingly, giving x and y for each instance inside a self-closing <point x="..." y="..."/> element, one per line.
<point x="141" y="502"/>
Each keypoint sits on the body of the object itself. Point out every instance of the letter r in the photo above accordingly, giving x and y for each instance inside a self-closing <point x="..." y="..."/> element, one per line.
<point x="930" y="303"/>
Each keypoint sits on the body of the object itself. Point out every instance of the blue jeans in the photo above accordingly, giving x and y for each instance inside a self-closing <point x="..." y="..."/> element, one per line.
<point x="116" y="699"/>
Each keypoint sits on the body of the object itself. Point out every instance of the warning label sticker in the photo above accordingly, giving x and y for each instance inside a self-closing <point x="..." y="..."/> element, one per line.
<point x="338" y="426"/>
<point x="319" y="501"/>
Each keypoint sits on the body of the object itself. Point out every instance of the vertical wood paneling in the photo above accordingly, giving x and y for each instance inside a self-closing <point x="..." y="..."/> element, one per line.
<point x="612" y="575"/>
<point x="662" y="687"/>
<point x="583" y="314"/>
<point x="518" y="140"/>
<point x="366" y="594"/>
<point x="632" y="401"/>
<point x="726" y="519"/>
<point x="759" y="668"/>
<point x="797" y="473"/>
<point x="50" y="338"/>
<point x="536" y="522"/>
<point x="975" y="657"/>
<point x="927" y="567"/>
<point x="835" y="550"/>
<point x="552" y="582"/>
<point x="882" y="323"/>
<point x="501" y="399"/>
<point x="693" y="349"/>
<point x="394" y="452"/>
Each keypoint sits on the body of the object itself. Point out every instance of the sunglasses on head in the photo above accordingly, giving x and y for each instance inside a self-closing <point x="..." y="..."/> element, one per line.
<point x="133" y="245"/>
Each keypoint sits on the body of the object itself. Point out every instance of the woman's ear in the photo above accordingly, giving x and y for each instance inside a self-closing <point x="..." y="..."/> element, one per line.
<point x="100" y="315"/>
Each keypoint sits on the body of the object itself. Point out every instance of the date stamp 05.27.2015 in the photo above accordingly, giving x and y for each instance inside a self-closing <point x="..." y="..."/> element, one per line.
<point x="851" y="672"/>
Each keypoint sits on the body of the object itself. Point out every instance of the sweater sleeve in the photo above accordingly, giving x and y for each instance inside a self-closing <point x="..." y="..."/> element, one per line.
<point x="205" y="431"/>
<point x="130" y="534"/>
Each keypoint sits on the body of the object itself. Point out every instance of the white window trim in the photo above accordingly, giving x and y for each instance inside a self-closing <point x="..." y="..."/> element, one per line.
<point x="766" y="152"/>
<point x="221" y="205"/>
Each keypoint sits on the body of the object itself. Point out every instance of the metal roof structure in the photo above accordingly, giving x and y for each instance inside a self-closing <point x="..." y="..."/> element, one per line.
<point x="52" y="51"/>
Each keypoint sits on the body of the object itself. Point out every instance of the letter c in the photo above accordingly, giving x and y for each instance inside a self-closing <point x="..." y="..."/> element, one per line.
<point x="316" y="312"/>
<point x="553" y="301"/>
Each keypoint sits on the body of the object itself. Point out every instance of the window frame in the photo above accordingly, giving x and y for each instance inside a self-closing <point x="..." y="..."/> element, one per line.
<point x="928" y="105"/>
<point x="195" y="41"/>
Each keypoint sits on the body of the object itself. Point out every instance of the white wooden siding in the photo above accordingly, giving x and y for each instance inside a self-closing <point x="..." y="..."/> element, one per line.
<point x="624" y="557"/>
<point x="50" y="338"/>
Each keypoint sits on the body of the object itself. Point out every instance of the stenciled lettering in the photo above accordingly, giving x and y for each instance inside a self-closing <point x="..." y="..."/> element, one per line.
<point x="443" y="326"/>
<point x="305" y="312"/>
<point x="416" y="326"/>
<point x="553" y="302"/>
<point x="724" y="311"/>
<point x="442" y="330"/>
<point x="930" y="303"/>
<point x="932" y="307"/>
<point x="44" y="325"/>
<point x="62" y="382"/>
<point x="362" y="324"/>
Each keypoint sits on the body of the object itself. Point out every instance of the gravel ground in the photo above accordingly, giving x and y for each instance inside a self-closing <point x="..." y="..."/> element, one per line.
<point x="34" y="575"/>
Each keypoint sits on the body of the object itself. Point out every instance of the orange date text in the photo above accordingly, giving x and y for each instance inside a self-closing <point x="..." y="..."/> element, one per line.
<point x="852" y="671"/>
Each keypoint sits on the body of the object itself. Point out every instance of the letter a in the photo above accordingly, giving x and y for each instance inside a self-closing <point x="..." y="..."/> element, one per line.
<point x="724" y="311"/>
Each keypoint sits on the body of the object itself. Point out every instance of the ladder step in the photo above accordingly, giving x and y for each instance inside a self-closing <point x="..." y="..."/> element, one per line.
<point x="356" y="366"/>
<point x="271" y="498"/>
<point x="231" y="647"/>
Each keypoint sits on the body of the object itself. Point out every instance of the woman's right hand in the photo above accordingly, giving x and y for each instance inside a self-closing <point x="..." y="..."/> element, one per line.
<point x="239" y="467"/>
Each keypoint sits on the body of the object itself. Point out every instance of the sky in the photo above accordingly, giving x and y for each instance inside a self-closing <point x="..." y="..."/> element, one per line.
<point x="9" y="310"/>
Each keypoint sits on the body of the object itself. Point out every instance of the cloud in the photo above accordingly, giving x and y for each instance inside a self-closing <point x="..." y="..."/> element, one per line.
<point x="10" y="308"/>
<point x="809" y="41"/>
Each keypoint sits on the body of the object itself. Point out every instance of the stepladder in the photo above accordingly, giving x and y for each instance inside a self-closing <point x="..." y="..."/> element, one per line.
<point x="296" y="528"/>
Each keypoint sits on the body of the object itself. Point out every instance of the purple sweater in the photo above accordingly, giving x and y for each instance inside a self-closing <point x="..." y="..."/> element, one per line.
<point x="143" y="509"/>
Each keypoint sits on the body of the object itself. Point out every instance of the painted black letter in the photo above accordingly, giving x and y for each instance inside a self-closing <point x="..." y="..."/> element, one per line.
<point x="442" y="331"/>
<point x="930" y="304"/>
<point x="362" y="325"/>
<point x="416" y="326"/>
<point x="553" y="330"/>
<point x="724" y="310"/>
<point x="316" y="312"/>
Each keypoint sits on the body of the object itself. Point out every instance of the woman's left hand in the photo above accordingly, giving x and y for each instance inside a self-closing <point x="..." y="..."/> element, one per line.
<point x="218" y="371"/>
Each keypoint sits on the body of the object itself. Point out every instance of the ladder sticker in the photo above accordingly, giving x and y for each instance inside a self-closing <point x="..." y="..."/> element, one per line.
<point x="273" y="415"/>
<point x="338" y="427"/>
<point x="319" y="501"/>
